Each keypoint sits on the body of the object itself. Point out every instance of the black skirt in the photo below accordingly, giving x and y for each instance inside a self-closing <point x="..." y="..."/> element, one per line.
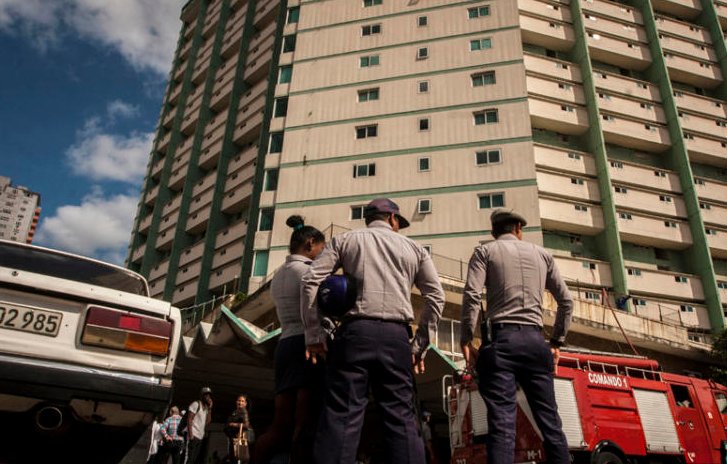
<point x="292" y="371"/>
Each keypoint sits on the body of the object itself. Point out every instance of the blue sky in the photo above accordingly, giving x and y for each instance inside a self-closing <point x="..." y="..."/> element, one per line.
<point x="80" y="94"/>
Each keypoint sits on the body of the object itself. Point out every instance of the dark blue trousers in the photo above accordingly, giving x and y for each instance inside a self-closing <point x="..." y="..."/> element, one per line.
<point x="376" y="355"/>
<point x="519" y="355"/>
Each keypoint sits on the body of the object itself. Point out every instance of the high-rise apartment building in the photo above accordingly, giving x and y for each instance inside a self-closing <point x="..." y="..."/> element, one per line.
<point x="602" y="122"/>
<point x="19" y="212"/>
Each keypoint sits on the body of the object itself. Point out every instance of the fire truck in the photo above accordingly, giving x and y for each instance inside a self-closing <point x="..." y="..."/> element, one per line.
<point x="615" y="409"/>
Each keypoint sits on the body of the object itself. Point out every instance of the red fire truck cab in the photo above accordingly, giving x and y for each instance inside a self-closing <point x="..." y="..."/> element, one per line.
<point x="615" y="409"/>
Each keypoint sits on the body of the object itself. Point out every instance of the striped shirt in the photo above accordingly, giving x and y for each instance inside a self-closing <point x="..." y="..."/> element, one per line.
<point x="285" y="290"/>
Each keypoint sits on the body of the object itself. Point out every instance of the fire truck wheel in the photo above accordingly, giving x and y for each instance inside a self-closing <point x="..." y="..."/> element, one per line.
<point x="607" y="457"/>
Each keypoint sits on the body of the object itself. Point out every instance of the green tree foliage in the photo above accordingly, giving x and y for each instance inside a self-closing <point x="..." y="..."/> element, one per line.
<point x="719" y="356"/>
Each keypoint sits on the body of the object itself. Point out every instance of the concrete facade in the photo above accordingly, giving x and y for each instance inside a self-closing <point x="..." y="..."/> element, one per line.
<point x="602" y="122"/>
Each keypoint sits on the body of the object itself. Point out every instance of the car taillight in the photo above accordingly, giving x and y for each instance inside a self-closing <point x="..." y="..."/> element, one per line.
<point x="121" y="330"/>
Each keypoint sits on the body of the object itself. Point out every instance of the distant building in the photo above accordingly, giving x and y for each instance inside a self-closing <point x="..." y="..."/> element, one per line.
<point x="602" y="122"/>
<point x="19" y="212"/>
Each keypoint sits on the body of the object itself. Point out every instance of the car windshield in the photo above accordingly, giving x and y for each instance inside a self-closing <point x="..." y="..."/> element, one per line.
<point x="74" y="268"/>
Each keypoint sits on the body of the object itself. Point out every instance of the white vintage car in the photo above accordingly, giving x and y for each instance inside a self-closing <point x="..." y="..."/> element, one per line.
<point x="86" y="356"/>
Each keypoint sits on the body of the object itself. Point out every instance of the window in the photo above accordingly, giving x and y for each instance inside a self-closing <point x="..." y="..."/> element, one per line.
<point x="567" y="108"/>
<point x="357" y="212"/>
<point x="703" y="205"/>
<point x="480" y="44"/>
<point x="281" y="107"/>
<point x="659" y="173"/>
<point x="721" y="123"/>
<point x="710" y="231"/>
<point x="368" y="95"/>
<point x="698" y="181"/>
<point x="289" y="43"/>
<point x="649" y="127"/>
<point x="276" y="142"/>
<point x="647" y="106"/>
<point x="722" y="284"/>
<point x="617" y="164"/>
<point x="261" y="263"/>
<point x="634" y="272"/>
<point x="478" y="12"/>
<point x="484" y="78"/>
<point x="485" y="157"/>
<point x="368" y="3"/>
<point x="424" y="164"/>
<point x="574" y="156"/>
<point x="422" y="53"/>
<point x="563" y="86"/>
<point x="590" y="266"/>
<point x="271" y="180"/>
<point x="486" y="117"/>
<point x="688" y="136"/>
<point x="581" y="208"/>
<point x="422" y="21"/>
<point x="366" y="61"/>
<point x="424" y="206"/>
<point x="686" y="308"/>
<point x="293" y="14"/>
<point x="364" y="170"/>
<point x="286" y="73"/>
<point x="423" y="124"/>
<point x="363" y="132"/>
<point x="266" y="219"/>
<point x="639" y="302"/>
<point x="576" y="181"/>
<point x="618" y="189"/>
<point x="670" y="224"/>
<point x="371" y="29"/>
<point x="607" y="117"/>
<point x="665" y="198"/>
<point x="681" y="279"/>
<point x="592" y="296"/>
<point x="721" y="400"/>
<point x="626" y="216"/>
<point x="423" y="86"/>
<point x="681" y="394"/>
<point x="493" y="200"/>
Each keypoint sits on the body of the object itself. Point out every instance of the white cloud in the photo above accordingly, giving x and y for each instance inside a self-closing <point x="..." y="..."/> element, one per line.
<point x="102" y="156"/>
<point x="120" y="109"/>
<point x="144" y="32"/>
<point x="98" y="227"/>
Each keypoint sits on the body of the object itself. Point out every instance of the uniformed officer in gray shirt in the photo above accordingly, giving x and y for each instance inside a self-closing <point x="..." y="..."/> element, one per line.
<point x="371" y="348"/>
<point x="513" y="350"/>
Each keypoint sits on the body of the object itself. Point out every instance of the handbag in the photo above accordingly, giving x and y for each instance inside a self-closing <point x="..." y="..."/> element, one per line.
<point x="240" y="446"/>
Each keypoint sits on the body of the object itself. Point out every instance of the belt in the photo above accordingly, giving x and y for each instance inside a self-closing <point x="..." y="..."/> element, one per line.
<point x="375" y="319"/>
<point x="507" y="326"/>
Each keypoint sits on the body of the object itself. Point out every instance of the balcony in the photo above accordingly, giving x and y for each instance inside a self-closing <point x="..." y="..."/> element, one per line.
<point x="231" y="43"/>
<point x="563" y="216"/>
<point x="558" y="90"/>
<point x="653" y="231"/>
<point x="575" y="188"/>
<point x="201" y="68"/>
<point x="644" y="176"/>
<point x="559" y="69"/>
<point x="265" y="13"/>
<point x="551" y="34"/>
<point x="191" y="117"/>
<point x="225" y="279"/>
<point x="138" y="253"/>
<point x="201" y="202"/>
<point x="188" y="273"/>
<point x="555" y="158"/>
<point x="614" y="10"/>
<point x="257" y="70"/>
<point x="699" y="51"/>
<point x="663" y="284"/>
<point x="709" y="189"/>
<point x="176" y="180"/>
<point x="687" y="9"/>
<point x="229" y="254"/>
<point x="185" y="295"/>
<point x="604" y="25"/>
<point x="231" y="233"/>
<point x="537" y="8"/>
<point x="244" y="158"/>
<point x="722" y="291"/>
<point x="169" y="118"/>
<point x="213" y="134"/>
<point x="156" y="169"/>
<point x="145" y="223"/>
<point x="721" y="13"/>
<point x="159" y="270"/>
<point x="210" y="22"/>
<point x="577" y="271"/>
<point x="163" y="142"/>
<point x="635" y="134"/>
<point x="706" y="150"/>
<point x="556" y="117"/>
<point x="605" y="80"/>
<point x="221" y="95"/>
<point x="210" y="156"/>
<point x="619" y="52"/>
<point x="710" y="106"/>
<point x="237" y="200"/>
<point x="650" y="202"/>
<point x="239" y="177"/>
<point x="151" y="195"/>
<point x="164" y="239"/>
<point x="692" y="71"/>
<point x="699" y="123"/>
<point x="248" y="130"/>
<point x="717" y="241"/>
<point x="204" y="184"/>
<point x="683" y="29"/>
<point x="172" y="205"/>
<point x="192" y="253"/>
<point x="645" y="110"/>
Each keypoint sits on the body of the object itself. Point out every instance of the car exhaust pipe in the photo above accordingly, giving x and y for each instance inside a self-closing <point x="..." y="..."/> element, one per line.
<point x="49" y="418"/>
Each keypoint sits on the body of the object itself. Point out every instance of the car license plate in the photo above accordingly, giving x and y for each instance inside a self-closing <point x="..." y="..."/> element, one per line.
<point x="32" y="320"/>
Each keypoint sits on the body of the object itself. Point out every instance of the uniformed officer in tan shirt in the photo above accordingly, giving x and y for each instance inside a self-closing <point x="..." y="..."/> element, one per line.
<point x="513" y="350"/>
<point x="371" y="349"/>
